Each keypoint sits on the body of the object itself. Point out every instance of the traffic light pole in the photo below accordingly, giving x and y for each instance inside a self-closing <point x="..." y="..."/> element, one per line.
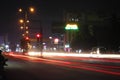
<point x="41" y="42"/>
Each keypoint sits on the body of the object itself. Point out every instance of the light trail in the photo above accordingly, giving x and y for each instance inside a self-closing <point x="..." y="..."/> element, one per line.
<point x="76" y="65"/>
<point x="117" y="56"/>
<point x="100" y="57"/>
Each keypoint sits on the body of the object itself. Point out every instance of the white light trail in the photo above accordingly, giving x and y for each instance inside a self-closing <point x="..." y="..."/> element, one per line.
<point x="74" y="54"/>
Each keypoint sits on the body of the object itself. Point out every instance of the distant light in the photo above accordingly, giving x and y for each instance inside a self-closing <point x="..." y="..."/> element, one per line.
<point x="34" y="46"/>
<point x="31" y="9"/>
<point x="56" y="40"/>
<point x="71" y="27"/>
<point x="67" y="46"/>
<point x="20" y="10"/>
<point x="23" y="34"/>
<point x="27" y="21"/>
<point x="6" y="46"/>
<point x="54" y="49"/>
<point x="21" y="20"/>
<point x="44" y="43"/>
<point x="38" y="35"/>
<point x="27" y="32"/>
<point x="21" y="27"/>
<point x="18" y="45"/>
<point x="26" y="27"/>
<point x="27" y="38"/>
<point x="50" y="37"/>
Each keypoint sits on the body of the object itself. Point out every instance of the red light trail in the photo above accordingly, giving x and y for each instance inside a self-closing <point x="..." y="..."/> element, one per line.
<point x="107" y="69"/>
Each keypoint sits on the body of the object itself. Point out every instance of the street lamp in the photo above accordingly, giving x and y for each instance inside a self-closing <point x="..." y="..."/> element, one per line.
<point x="25" y="21"/>
<point x="32" y="9"/>
<point x="20" y="10"/>
<point x="21" y="27"/>
<point x="24" y="25"/>
<point x="21" y="21"/>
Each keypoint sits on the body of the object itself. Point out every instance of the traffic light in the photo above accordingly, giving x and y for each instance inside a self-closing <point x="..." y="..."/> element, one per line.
<point x="39" y="42"/>
<point x="38" y="36"/>
<point x="26" y="38"/>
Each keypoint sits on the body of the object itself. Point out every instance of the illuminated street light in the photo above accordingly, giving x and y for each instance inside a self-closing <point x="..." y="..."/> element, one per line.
<point x="21" y="20"/>
<point x="23" y="35"/>
<point x="27" y="32"/>
<point x="21" y="27"/>
<point x="31" y="9"/>
<point x="20" y="10"/>
<point x="26" y="27"/>
<point x="25" y="21"/>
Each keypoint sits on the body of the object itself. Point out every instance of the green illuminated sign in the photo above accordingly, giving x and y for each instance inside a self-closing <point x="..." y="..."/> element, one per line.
<point x="71" y="27"/>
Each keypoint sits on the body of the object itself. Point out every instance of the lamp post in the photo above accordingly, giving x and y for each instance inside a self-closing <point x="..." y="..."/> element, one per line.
<point x="24" y="27"/>
<point x="25" y="21"/>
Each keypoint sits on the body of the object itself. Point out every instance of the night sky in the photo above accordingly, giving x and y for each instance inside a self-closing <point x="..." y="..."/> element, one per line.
<point x="49" y="10"/>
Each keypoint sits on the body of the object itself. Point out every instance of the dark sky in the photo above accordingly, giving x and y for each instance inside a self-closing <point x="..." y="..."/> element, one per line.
<point x="49" y="10"/>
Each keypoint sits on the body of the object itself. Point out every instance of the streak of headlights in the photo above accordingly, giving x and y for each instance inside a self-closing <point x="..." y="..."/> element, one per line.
<point x="74" y="54"/>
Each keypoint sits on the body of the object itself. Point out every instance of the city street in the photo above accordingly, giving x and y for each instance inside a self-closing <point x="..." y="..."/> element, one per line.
<point x="22" y="67"/>
<point x="60" y="40"/>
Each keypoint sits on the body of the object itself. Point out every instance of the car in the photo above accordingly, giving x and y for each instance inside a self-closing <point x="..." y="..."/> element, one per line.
<point x="98" y="50"/>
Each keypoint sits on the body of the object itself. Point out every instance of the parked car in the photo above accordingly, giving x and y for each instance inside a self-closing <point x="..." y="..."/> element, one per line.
<point x="98" y="50"/>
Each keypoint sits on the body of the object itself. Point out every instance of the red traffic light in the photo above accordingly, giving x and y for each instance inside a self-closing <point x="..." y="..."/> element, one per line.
<point x="26" y="38"/>
<point x="38" y="35"/>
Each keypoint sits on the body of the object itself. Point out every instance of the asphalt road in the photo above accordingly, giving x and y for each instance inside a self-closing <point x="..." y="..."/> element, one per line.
<point x="32" y="68"/>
